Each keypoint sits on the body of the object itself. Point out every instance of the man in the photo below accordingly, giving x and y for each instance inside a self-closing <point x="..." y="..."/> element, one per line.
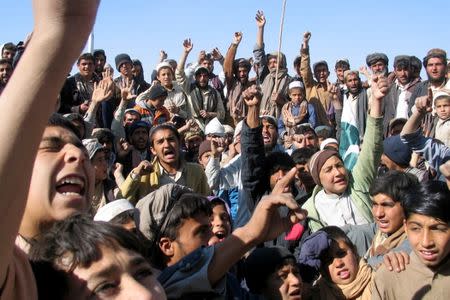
<point x="339" y="199"/>
<point x="397" y="100"/>
<point x="274" y="89"/>
<point x="426" y="224"/>
<point x="9" y="51"/>
<point x="236" y="79"/>
<point x="316" y="91"/>
<point x="397" y="156"/>
<point x="204" y="102"/>
<point x="340" y="67"/>
<point x="166" y="167"/>
<point x="305" y="137"/>
<point x="99" y="61"/>
<point x="378" y="63"/>
<point x="6" y="70"/>
<point x="76" y="93"/>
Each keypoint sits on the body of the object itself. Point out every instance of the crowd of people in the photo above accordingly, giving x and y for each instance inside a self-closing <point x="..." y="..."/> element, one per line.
<point x="196" y="185"/>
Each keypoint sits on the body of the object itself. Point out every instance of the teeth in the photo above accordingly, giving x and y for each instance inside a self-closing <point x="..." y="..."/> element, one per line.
<point x="73" y="180"/>
<point x="70" y="194"/>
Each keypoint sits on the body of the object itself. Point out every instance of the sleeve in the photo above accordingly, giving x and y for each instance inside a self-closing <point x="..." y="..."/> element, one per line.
<point x="128" y="189"/>
<point x="378" y="286"/>
<point x="182" y="80"/>
<point x="190" y="70"/>
<point x="312" y="116"/>
<point x="377" y="260"/>
<point x="228" y="64"/>
<point x="220" y="108"/>
<point x="225" y="177"/>
<point x="305" y="68"/>
<point x="260" y="59"/>
<point x="116" y="125"/>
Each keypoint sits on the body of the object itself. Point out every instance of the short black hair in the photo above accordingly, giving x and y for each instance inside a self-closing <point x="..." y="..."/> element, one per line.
<point x="103" y="135"/>
<point x="276" y="161"/>
<point x="82" y="237"/>
<point x="429" y="199"/>
<point x="342" y="64"/>
<point x="9" y="46"/>
<point x="124" y="217"/>
<point x="86" y="56"/>
<point x="302" y="155"/>
<point x="160" y="127"/>
<point x="57" y="120"/>
<point x="303" y="129"/>
<point x="4" y="61"/>
<point x="394" y="184"/>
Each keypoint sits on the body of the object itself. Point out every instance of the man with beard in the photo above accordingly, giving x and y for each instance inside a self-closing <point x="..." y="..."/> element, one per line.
<point x="396" y="103"/>
<point x="166" y="167"/>
<point x="435" y="64"/>
<point x="204" y="102"/>
<point x="236" y="79"/>
<point x="378" y="63"/>
<point x="99" y="61"/>
<point x="316" y="91"/>
<point x="6" y="70"/>
<point x="274" y="89"/>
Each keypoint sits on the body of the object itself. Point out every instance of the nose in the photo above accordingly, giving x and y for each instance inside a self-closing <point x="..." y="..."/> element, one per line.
<point x="338" y="263"/>
<point x="294" y="281"/>
<point x="379" y="211"/>
<point x="217" y="221"/>
<point x="427" y="239"/>
<point x="74" y="154"/>
<point x="136" y="291"/>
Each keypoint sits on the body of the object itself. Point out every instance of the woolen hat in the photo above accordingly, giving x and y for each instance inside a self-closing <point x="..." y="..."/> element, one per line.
<point x="317" y="161"/>
<point x="320" y="63"/>
<point x="402" y="59"/>
<point x="205" y="146"/>
<point x="435" y="53"/>
<point x="121" y="59"/>
<point x="99" y="52"/>
<point x="397" y="151"/>
<point x="92" y="146"/>
<point x="156" y="91"/>
<point x="374" y="57"/>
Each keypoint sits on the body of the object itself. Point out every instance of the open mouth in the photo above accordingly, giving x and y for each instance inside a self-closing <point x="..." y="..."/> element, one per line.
<point x="343" y="274"/>
<point x="428" y="255"/>
<point x="220" y="235"/>
<point x="169" y="154"/>
<point x="266" y="138"/>
<point x="71" y="186"/>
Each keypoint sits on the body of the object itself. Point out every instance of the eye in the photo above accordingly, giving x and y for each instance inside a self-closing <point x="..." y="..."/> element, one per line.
<point x="106" y="289"/>
<point x="143" y="273"/>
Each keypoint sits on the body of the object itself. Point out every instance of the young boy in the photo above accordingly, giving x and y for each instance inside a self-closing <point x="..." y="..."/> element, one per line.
<point x="152" y="108"/>
<point x="220" y="219"/>
<point x="442" y="106"/>
<point x="427" y="225"/>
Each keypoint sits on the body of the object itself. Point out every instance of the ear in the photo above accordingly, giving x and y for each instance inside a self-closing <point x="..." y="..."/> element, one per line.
<point x="404" y="226"/>
<point x="153" y="151"/>
<point x="166" y="246"/>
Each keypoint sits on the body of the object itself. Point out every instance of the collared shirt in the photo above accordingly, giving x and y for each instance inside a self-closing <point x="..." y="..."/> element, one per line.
<point x="166" y="177"/>
<point x="416" y="282"/>
<point x="443" y="131"/>
<point x="402" y="104"/>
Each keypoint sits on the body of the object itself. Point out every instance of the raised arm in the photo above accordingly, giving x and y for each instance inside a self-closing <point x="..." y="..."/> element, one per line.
<point x="305" y="63"/>
<point x="61" y="28"/>
<point x="179" y="73"/>
<point x="260" y="22"/>
<point x="229" y="58"/>
<point x="423" y="106"/>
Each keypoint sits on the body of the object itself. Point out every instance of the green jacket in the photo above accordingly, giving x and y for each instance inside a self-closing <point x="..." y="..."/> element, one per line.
<point x="361" y="177"/>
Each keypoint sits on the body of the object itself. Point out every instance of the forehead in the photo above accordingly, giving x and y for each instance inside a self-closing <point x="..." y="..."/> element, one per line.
<point x="435" y="60"/>
<point x="165" y="70"/>
<point x="378" y="63"/>
<point x="267" y="123"/>
<point x="441" y="101"/>
<point x="425" y="220"/>
<point x="163" y="133"/>
<point x="332" y="161"/>
<point x="351" y="76"/>
<point x="140" y="130"/>
<point x="60" y="132"/>
<point x="295" y="90"/>
<point x="5" y="66"/>
<point x="382" y="198"/>
<point x="86" y="61"/>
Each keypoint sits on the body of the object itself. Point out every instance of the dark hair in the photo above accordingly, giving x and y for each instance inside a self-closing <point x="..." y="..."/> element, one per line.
<point x="157" y="128"/>
<point x="189" y="205"/>
<point x="297" y="61"/>
<point x="302" y="155"/>
<point x="82" y="237"/>
<point x="416" y="64"/>
<point x="241" y="62"/>
<point x="57" y="120"/>
<point x="85" y="56"/>
<point x="394" y="184"/>
<point x="324" y="133"/>
<point x="9" y="46"/>
<point x="276" y="161"/>
<point x="342" y="64"/>
<point x="429" y="199"/>
<point x="124" y="217"/>
<point x="5" y="61"/>
<point x="103" y="135"/>
<point x="303" y="129"/>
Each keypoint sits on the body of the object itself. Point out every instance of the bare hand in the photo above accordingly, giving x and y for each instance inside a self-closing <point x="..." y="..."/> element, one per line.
<point x="379" y="87"/>
<point x="102" y="91"/>
<point x="237" y="38"/>
<point x="252" y="96"/>
<point x="118" y="168"/>
<point x="204" y="114"/>
<point x="123" y="147"/>
<point x="396" y="261"/>
<point x="306" y="37"/>
<point x="283" y="185"/>
<point x="423" y="103"/>
<point x="144" y="167"/>
<point x="187" y="45"/>
<point x="217" y="147"/>
<point x="107" y="74"/>
<point x="126" y="87"/>
<point x="260" y="19"/>
<point x="162" y="55"/>
<point x="216" y="55"/>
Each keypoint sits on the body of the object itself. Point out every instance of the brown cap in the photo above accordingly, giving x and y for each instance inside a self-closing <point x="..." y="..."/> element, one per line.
<point x="317" y="161"/>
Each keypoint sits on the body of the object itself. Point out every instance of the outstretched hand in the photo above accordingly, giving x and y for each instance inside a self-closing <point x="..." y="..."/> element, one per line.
<point x="126" y="89"/>
<point x="260" y="19"/>
<point x="102" y="90"/>
<point x="252" y="96"/>
<point x="187" y="45"/>
<point x="306" y="37"/>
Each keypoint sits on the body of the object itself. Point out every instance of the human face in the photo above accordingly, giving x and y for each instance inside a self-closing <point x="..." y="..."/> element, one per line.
<point x="297" y="95"/>
<point x="130" y="118"/>
<point x="126" y="69"/>
<point x="429" y="238"/>
<point x="118" y="274"/>
<point x="207" y="63"/>
<point x="8" y="54"/>
<point x="204" y="159"/>
<point x="285" y="283"/>
<point x="307" y="140"/>
<point x="221" y="223"/>
<point x="86" y="67"/>
<point x="5" y="73"/>
<point x="321" y="73"/>
<point x="436" y="69"/>
<point x="340" y="73"/>
<point x="166" y="147"/>
<point x="333" y="176"/>
<point x="402" y="73"/>
<point x="158" y="102"/>
<point x="193" y="233"/>
<point x="136" y="70"/>
<point x="378" y="68"/>
<point x="344" y="265"/>
<point x="353" y="83"/>
<point x="303" y="176"/>
<point x="100" y="61"/>
<point x="388" y="163"/>
<point x="276" y="176"/>
<point x="443" y="109"/>
<point x="272" y="64"/>
<point x="387" y="213"/>
<point x="139" y="138"/>
<point x="100" y="166"/>
<point x="269" y="133"/>
<point x="202" y="79"/>
<point x="193" y="143"/>
<point x="242" y="74"/>
<point x="165" y="76"/>
<point x="62" y="181"/>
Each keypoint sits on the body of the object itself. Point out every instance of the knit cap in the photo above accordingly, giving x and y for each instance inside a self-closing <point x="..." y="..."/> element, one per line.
<point x="317" y="161"/>
<point x="397" y="151"/>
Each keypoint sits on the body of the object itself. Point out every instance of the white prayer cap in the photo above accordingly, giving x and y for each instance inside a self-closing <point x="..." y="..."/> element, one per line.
<point x="214" y="127"/>
<point x="113" y="209"/>
<point x="328" y="141"/>
<point x="296" y="84"/>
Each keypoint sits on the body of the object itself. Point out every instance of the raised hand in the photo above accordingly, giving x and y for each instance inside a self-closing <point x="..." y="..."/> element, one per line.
<point x="216" y="55"/>
<point x="102" y="91"/>
<point x="217" y="146"/>
<point x="162" y="55"/>
<point x="260" y="19"/>
<point x="379" y="87"/>
<point x="252" y="96"/>
<point x="237" y="38"/>
<point x="126" y="87"/>
<point x="306" y="38"/>
<point x="424" y="103"/>
<point x="187" y="45"/>
<point x="144" y="167"/>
